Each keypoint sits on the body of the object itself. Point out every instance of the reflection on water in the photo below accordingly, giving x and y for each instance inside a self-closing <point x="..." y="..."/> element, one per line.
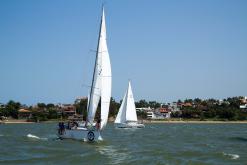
<point x="35" y="137"/>
<point x="115" y="156"/>
<point x="232" y="156"/>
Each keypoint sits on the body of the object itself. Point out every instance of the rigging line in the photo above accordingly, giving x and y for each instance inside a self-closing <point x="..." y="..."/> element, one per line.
<point x="89" y="86"/>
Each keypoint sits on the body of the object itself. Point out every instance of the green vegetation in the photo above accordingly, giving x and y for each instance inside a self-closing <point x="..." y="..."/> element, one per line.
<point x="10" y="109"/>
<point x="227" y="109"/>
<point x="210" y="109"/>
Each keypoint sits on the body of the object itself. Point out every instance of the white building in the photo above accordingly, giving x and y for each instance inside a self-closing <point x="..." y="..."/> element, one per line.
<point x="243" y="106"/>
<point x="158" y="115"/>
<point x="152" y="115"/>
<point x="144" y="109"/>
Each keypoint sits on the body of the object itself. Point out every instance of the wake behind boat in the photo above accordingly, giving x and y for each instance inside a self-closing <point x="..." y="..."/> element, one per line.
<point x="127" y="117"/>
<point x="100" y="90"/>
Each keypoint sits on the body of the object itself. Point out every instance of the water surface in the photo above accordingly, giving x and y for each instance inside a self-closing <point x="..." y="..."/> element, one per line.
<point x="168" y="143"/>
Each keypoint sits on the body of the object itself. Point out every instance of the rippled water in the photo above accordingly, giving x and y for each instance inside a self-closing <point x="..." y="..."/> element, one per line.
<point x="155" y="144"/>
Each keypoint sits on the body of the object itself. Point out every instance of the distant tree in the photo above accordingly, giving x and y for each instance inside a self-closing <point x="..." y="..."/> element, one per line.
<point x="234" y="101"/>
<point x="142" y="114"/>
<point x="210" y="113"/>
<point x="176" y="114"/>
<point x="12" y="109"/>
<point x="114" y="106"/>
<point x="50" y="105"/>
<point x="41" y="106"/>
<point x="81" y="107"/>
<point x="188" y="101"/>
<point x="38" y="116"/>
<point x="228" y="113"/>
<point x="190" y="112"/>
<point x="204" y="103"/>
<point x="141" y="103"/>
<point x="197" y="101"/>
<point x="154" y="104"/>
<point x="52" y="114"/>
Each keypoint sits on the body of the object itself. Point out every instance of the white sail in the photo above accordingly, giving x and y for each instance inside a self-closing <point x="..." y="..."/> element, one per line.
<point x="130" y="108"/>
<point x="95" y="90"/>
<point x="101" y="85"/>
<point x="127" y="110"/>
<point x="105" y="74"/>
<point x="121" y="116"/>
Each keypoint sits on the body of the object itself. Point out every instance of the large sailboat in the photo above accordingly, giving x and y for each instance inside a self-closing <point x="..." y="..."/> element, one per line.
<point x="100" y="90"/>
<point x="127" y="117"/>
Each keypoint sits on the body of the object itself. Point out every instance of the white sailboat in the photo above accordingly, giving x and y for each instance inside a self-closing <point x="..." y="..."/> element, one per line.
<point x="126" y="117"/>
<point x="100" y="90"/>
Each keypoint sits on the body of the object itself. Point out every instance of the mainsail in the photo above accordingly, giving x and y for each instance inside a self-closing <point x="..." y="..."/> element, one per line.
<point x="101" y="84"/>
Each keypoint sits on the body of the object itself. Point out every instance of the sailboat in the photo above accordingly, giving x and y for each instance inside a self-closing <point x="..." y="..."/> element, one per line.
<point x="127" y="117"/>
<point x="100" y="90"/>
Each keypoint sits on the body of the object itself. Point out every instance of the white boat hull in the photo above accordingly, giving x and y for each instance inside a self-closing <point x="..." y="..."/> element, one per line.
<point x="129" y="125"/>
<point x="83" y="134"/>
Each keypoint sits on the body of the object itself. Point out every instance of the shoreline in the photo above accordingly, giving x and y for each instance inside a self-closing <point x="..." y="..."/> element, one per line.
<point x="144" y="121"/>
<point x="195" y="121"/>
<point x="15" y="122"/>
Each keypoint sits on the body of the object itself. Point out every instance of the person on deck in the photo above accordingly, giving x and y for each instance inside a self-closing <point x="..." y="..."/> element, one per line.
<point x="98" y="124"/>
<point x="62" y="128"/>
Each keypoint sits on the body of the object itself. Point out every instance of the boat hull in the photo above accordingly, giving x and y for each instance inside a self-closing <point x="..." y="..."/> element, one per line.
<point x="129" y="125"/>
<point x="83" y="134"/>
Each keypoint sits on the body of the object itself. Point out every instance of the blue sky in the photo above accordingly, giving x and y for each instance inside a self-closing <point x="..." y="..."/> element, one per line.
<point x="169" y="49"/>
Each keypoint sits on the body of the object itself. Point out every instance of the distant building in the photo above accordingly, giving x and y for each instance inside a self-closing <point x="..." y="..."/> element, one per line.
<point x="24" y="113"/>
<point x="154" y="115"/>
<point x="67" y="109"/>
<point x="144" y="109"/>
<point x="160" y="113"/>
<point x="243" y="106"/>
<point x="244" y="100"/>
<point x="174" y="107"/>
<point x="166" y="112"/>
<point x="243" y="103"/>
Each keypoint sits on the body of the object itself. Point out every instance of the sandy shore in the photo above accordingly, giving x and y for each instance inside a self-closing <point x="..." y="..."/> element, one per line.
<point x="144" y="121"/>
<point x="194" y="121"/>
<point x="14" y="122"/>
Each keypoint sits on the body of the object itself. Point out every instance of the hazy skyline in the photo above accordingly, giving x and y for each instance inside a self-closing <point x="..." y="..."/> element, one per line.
<point x="169" y="49"/>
